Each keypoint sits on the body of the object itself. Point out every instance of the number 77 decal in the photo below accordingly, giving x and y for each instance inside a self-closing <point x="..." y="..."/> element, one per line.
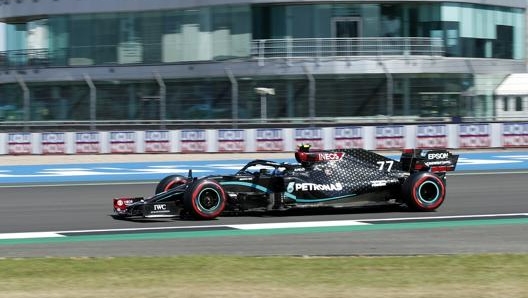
<point x="382" y="164"/>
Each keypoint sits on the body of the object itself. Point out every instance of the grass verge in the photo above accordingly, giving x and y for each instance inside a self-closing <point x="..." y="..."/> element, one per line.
<point x="496" y="275"/>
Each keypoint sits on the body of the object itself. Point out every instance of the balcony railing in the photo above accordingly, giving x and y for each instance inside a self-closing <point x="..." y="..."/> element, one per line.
<point x="299" y="48"/>
<point x="310" y="48"/>
<point x="24" y="58"/>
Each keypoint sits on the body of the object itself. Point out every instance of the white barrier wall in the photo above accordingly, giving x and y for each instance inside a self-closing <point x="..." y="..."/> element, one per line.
<point x="383" y="137"/>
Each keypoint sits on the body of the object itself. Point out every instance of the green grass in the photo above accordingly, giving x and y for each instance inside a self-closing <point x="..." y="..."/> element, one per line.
<point x="501" y="275"/>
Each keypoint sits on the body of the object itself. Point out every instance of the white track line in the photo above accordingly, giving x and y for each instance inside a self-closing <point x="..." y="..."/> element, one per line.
<point x="307" y="224"/>
<point x="446" y="217"/>
<point x="260" y="226"/>
<point x="29" y="235"/>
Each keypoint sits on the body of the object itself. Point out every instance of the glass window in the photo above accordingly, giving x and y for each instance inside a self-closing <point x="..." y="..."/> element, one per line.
<point x="171" y="37"/>
<point x="198" y="99"/>
<point x="58" y="39"/>
<point x="150" y="36"/>
<point x="452" y="39"/>
<point x="195" y="39"/>
<point x="129" y="48"/>
<point x="81" y="40"/>
<point x="502" y="46"/>
<point x="298" y="26"/>
<point x="269" y="22"/>
<point x="518" y="104"/>
<point x="12" y="104"/>
<point x="221" y="31"/>
<point x="485" y="30"/>
<point x="241" y="31"/>
<point x="106" y="39"/>
<point x="214" y="33"/>
<point x="37" y="34"/>
<point x="505" y="103"/>
<point x="16" y="36"/>
<point x="391" y="22"/>
<point x="2" y="36"/>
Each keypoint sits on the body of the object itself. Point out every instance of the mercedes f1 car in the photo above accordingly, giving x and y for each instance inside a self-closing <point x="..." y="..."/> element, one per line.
<point x="326" y="178"/>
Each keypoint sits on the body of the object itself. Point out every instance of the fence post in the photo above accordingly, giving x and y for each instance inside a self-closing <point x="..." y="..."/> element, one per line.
<point x="261" y="54"/>
<point x="93" y="99"/>
<point x="390" y="87"/>
<point x="289" y="50"/>
<point x="234" y="97"/>
<point x="25" y="95"/>
<point x="163" y="101"/>
<point x="311" y="95"/>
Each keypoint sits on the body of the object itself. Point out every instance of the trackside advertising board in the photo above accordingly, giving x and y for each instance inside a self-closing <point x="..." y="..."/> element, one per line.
<point x="431" y="136"/>
<point x="269" y="140"/>
<point x="474" y="135"/>
<point x="87" y="142"/>
<point x="382" y="137"/>
<point x="515" y="135"/>
<point x="157" y="141"/>
<point x="348" y="137"/>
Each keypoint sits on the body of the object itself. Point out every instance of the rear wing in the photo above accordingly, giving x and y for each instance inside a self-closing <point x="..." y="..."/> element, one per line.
<point x="433" y="160"/>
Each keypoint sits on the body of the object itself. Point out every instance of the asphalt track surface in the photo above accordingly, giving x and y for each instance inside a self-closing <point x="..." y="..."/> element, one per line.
<point x="42" y="208"/>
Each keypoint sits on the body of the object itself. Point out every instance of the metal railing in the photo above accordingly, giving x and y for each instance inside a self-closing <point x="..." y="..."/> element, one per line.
<point x="292" y="48"/>
<point x="108" y="125"/>
<point x="346" y="47"/>
<point x="25" y="58"/>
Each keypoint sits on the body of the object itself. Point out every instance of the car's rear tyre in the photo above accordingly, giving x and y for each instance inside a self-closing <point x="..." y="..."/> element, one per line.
<point x="424" y="191"/>
<point x="170" y="182"/>
<point x="205" y="199"/>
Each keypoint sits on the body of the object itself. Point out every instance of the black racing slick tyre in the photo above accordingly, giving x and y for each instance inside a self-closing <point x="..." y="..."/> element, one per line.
<point x="424" y="191"/>
<point x="170" y="182"/>
<point x="205" y="199"/>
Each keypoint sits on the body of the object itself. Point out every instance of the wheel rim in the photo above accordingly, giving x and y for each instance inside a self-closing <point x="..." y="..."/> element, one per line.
<point x="208" y="200"/>
<point x="428" y="192"/>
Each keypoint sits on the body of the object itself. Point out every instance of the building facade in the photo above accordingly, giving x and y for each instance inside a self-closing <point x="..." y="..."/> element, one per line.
<point x="326" y="61"/>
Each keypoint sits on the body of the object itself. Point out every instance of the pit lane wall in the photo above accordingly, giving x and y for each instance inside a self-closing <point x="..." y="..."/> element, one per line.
<point x="382" y="137"/>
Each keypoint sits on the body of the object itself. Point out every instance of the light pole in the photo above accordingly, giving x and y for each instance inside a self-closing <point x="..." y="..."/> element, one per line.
<point x="264" y="92"/>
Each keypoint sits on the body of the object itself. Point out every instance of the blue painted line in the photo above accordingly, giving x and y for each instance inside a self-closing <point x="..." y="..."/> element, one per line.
<point x="151" y="171"/>
<point x="134" y="171"/>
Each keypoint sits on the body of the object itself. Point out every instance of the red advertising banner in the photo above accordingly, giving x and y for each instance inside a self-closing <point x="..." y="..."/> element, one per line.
<point x="474" y="135"/>
<point x="311" y="136"/>
<point x="53" y="143"/>
<point x="231" y="140"/>
<point x="193" y="141"/>
<point x="122" y="141"/>
<point x="87" y="142"/>
<point x="19" y="143"/>
<point x="390" y="137"/>
<point x="157" y="141"/>
<point x="270" y="140"/>
<point x="431" y="136"/>
<point x="515" y="135"/>
<point x="348" y="137"/>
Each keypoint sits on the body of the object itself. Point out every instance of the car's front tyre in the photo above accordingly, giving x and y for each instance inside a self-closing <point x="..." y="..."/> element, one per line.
<point x="205" y="199"/>
<point x="170" y="182"/>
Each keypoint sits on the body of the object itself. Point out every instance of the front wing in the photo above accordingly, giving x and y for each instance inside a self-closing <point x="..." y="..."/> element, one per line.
<point x="137" y="207"/>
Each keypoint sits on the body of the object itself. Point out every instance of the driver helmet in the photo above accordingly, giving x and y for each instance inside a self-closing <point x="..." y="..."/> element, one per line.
<point x="304" y="147"/>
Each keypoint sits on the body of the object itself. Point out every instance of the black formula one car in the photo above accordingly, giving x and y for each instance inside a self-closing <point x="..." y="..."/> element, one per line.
<point x="328" y="178"/>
